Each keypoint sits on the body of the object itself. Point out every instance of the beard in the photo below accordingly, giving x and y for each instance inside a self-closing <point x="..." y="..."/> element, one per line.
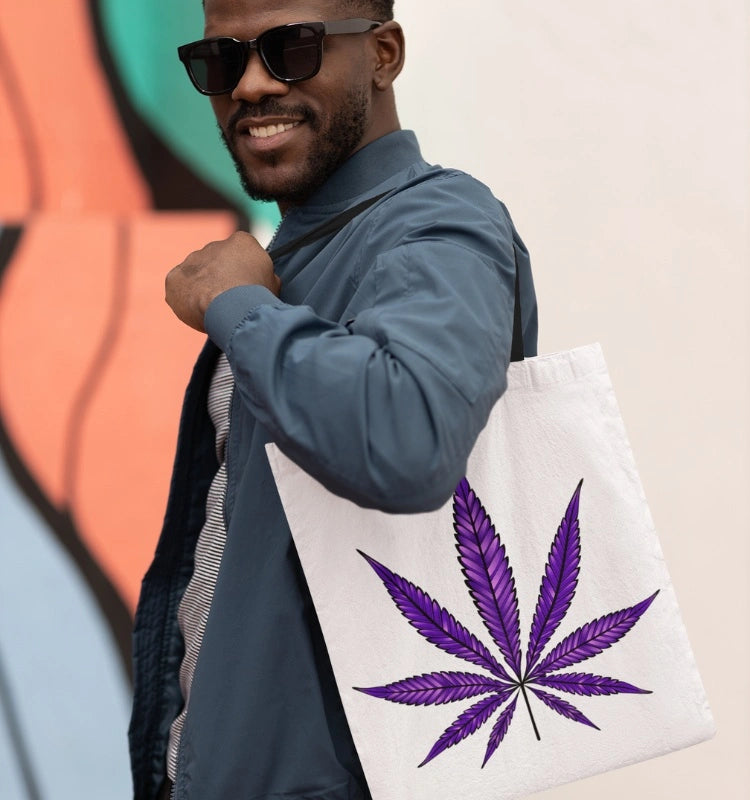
<point x="336" y="137"/>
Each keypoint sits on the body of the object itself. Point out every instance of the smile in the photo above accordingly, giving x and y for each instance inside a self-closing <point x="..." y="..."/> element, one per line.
<point x="270" y="130"/>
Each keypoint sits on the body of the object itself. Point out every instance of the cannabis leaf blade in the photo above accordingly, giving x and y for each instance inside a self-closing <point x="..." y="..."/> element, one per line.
<point x="436" y="688"/>
<point x="435" y="623"/>
<point x="559" y="582"/>
<point x="562" y="707"/>
<point x="592" y="638"/>
<point x="467" y="723"/>
<point x="501" y="728"/>
<point x="588" y="685"/>
<point x="488" y="574"/>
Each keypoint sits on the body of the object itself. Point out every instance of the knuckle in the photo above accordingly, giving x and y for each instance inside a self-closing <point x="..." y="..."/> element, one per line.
<point x="237" y="237"/>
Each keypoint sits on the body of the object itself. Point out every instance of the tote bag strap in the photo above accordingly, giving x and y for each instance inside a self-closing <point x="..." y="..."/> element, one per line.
<point x="335" y="224"/>
<point x="329" y="227"/>
<point x="516" y="347"/>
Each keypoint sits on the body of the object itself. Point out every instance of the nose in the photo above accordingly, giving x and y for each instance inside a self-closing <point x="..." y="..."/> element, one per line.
<point x="257" y="82"/>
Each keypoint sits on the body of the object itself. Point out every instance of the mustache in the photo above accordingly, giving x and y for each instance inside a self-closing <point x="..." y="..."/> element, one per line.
<point x="267" y="108"/>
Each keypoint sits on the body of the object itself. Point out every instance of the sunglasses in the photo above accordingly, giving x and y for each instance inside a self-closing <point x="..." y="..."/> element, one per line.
<point x="290" y="53"/>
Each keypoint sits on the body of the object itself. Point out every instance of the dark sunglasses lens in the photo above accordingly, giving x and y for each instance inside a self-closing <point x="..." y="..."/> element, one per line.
<point x="292" y="53"/>
<point x="217" y="65"/>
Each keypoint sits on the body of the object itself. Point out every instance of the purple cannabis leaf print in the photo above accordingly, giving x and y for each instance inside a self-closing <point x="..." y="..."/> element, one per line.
<point x="436" y="624"/>
<point x="501" y="728"/>
<point x="489" y="578"/>
<point x="559" y="582"/>
<point x="468" y="722"/>
<point x="437" y="688"/>
<point x="488" y="575"/>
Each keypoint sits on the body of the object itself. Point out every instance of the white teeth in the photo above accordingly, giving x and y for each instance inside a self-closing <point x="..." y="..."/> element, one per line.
<point x="270" y="130"/>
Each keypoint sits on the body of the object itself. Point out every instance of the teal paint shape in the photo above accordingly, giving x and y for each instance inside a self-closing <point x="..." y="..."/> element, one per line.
<point x="143" y="37"/>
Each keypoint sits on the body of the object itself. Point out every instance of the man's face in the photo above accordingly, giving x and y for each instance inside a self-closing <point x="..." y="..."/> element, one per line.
<point x="287" y="139"/>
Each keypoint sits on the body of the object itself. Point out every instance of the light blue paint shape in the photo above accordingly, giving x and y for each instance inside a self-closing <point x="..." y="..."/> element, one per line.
<point x="67" y="682"/>
<point x="12" y="785"/>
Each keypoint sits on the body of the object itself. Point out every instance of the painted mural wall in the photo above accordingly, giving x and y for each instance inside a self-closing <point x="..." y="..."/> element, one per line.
<point x="110" y="172"/>
<point x="618" y="135"/>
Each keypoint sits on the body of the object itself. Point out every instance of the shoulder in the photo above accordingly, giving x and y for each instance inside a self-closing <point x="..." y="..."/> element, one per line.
<point x="444" y="189"/>
<point x="437" y="205"/>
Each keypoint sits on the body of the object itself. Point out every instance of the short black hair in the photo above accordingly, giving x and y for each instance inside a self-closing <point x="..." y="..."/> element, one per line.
<point x="381" y="10"/>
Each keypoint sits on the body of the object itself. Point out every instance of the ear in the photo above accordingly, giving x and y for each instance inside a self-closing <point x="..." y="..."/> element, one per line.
<point x="389" y="52"/>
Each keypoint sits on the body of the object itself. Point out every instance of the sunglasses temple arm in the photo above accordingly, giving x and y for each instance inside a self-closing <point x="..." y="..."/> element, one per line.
<point x="359" y="25"/>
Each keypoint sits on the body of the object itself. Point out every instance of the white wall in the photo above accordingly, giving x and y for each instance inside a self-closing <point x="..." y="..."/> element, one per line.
<point x="618" y="134"/>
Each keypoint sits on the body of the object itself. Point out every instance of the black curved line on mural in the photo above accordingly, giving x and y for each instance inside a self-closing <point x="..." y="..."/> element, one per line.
<point x="174" y="186"/>
<point x="61" y="520"/>
<point x="26" y="131"/>
<point x="94" y="374"/>
<point x="15" y="733"/>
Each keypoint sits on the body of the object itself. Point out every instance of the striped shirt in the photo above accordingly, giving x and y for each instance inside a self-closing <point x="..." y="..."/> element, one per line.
<point x="196" y="602"/>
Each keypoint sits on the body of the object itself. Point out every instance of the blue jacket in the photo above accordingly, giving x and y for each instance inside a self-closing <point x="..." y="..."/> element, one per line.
<point x="375" y="372"/>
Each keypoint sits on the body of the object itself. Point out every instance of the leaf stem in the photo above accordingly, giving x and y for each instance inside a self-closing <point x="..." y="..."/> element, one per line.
<point x="528" y="708"/>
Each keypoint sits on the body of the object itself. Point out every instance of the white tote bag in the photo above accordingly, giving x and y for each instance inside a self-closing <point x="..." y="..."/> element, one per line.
<point x="526" y="634"/>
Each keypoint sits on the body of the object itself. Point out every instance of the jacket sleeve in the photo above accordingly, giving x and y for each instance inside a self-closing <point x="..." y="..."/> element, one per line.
<point x="383" y="410"/>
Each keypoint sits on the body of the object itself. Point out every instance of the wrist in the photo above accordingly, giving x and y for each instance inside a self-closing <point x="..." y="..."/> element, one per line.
<point x="228" y="309"/>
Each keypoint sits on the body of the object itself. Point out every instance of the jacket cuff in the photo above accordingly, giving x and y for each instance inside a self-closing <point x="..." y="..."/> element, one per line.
<point x="228" y="309"/>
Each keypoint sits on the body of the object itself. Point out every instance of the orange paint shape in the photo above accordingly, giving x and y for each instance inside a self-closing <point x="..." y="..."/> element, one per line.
<point x="61" y="120"/>
<point x="15" y="183"/>
<point x="129" y="436"/>
<point x="71" y="278"/>
<point x="53" y="314"/>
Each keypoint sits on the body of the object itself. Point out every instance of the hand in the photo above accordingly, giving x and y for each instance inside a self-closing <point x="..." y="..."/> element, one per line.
<point x="237" y="261"/>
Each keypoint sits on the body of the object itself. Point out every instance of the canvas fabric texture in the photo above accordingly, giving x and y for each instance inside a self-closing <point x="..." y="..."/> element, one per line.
<point x="526" y="634"/>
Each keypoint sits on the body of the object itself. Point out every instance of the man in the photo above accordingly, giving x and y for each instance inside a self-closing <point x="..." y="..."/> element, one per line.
<point x="371" y="355"/>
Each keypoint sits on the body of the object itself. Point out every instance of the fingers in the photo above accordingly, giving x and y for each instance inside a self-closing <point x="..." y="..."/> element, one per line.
<point x="218" y="266"/>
